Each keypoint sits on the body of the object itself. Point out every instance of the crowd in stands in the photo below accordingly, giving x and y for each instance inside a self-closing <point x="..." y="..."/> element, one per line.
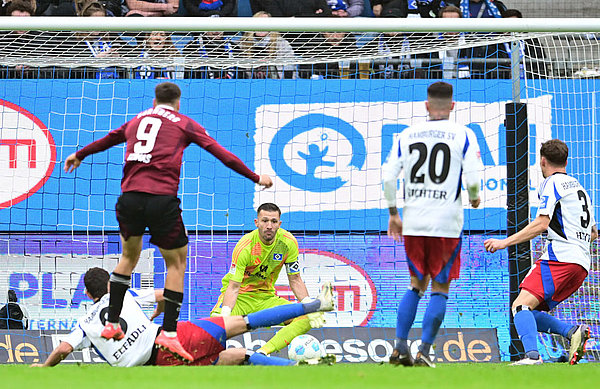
<point x="489" y="61"/>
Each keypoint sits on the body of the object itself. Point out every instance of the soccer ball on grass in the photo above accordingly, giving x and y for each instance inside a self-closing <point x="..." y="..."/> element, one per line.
<point x="305" y="347"/>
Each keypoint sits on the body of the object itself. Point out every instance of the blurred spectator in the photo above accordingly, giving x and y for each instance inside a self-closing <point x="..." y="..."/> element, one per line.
<point x="152" y="7"/>
<point x="13" y="316"/>
<point x="431" y="8"/>
<point x="55" y="8"/>
<point x="214" y="45"/>
<point x="450" y="57"/>
<point x="327" y="46"/>
<point x="531" y="51"/>
<point x="267" y="45"/>
<point x="300" y="8"/>
<point x="390" y="8"/>
<point x="95" y="44"/>
<point x="346" y="8"/>
<point x="482" y="8"/>
<point x="210" y="7"/>
<point x="488" y="61"/>
<point x="20" y="8"/>
<point x="157" y="45"/>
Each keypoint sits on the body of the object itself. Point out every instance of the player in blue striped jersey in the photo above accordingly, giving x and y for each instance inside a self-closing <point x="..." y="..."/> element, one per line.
<point x="566" y="212"/>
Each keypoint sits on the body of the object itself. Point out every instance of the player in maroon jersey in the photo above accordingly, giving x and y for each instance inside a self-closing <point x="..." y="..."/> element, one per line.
<point x="155" y="140"/>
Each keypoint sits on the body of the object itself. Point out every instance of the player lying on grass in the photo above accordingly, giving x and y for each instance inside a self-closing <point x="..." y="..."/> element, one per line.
<point x="566" y="211"/>
<point x="204" y="339"/>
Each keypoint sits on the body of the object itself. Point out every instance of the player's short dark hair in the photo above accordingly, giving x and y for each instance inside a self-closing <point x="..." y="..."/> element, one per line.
<point x="449" y="9"/>
<point x="96" y="282"/>
<point x="555" y="151"/>
<point x="167" y="92"/>
<point x="439" y="90"/>
<point x="512" y="13"/>
<point x="20" y="5"/>
<point x="269" y="207"/>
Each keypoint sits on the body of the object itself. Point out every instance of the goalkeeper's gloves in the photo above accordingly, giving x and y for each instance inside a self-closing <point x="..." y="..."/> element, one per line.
<point x="315" y="319"/>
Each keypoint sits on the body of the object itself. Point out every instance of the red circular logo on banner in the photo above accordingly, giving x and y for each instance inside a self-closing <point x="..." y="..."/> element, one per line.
<point x="27" y="154"/>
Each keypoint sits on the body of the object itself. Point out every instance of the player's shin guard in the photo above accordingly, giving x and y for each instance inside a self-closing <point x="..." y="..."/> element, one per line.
<point x="527" y="330"/>
<point x="407" y="309"/>
<point x="273" y="316"/>
<point x="119" y="283"/>
<point x="434" y="316"/>
<point x="284" y="336"/>
<point x="548" y="323"/>
<point x="253" y="358"/>
<point x="173" y="301"/>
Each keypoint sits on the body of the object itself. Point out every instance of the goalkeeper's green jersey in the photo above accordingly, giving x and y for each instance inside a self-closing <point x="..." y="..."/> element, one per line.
<point x="256" y="266"/>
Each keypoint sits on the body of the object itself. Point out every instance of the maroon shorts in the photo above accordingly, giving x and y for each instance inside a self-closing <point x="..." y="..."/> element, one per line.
<point x="204" y="339"/>
<point x="437" y="257"/>
<point x="552" y="282"/>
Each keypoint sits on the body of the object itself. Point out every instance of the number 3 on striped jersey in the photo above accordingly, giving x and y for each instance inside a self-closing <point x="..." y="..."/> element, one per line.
<point x="147" y="138"/>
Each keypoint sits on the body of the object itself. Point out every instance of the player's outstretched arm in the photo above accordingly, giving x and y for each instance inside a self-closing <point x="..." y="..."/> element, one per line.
<point x="533" y="229"/>
<point x="594" y="233"/>
<point x="72" y="163"/>
<point x="58" y="354"/>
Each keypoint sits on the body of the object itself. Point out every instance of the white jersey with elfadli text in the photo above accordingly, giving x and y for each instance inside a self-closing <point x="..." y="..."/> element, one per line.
<point x="568" y="205"/>
<point x="135" y="348"/>
<point x="435" y="157"/>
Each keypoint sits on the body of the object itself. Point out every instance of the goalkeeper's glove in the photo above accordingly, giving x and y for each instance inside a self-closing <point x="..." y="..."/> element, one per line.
<point x="315" y="319"/>
<point x="225" y="311"/>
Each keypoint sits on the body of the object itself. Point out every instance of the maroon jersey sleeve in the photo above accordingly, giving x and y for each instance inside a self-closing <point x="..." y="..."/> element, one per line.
<point x="199" y="136"/>
<point x="114" y="137"/>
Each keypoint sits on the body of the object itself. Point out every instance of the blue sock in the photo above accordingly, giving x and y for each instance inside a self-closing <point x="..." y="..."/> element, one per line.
<point x="550" y="324"/>
<point x="434" y="316"/>
<point x="527" y="329"/>
<point x="262" y="359"/>
<point x="273" y="316"/>
<point x="407" y="309"/>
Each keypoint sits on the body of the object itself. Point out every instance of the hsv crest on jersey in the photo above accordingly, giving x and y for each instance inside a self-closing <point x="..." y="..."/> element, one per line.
<point x="277" y="257"/>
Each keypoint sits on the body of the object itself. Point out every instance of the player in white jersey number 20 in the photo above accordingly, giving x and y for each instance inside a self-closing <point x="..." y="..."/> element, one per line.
<point x="435" y="156"/>
<point x="566" y="212"/>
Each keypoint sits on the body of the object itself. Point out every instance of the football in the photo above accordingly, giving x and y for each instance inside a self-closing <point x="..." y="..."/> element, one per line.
<point x="305" y="347"/>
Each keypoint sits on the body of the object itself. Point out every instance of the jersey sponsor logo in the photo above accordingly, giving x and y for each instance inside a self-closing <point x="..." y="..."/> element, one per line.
<point x="354" y="292"/>
<point x="27" y="154"/>
<point x="277" y="257"/>
<point x="331" y="153"/>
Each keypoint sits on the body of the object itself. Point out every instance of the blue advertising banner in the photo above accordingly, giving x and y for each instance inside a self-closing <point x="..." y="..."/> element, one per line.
<point x="323" y="140"/>
<point x="369" y="274"/>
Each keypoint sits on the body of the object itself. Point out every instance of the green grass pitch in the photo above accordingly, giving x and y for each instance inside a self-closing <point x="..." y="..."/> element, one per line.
<point x="347" y="376"/>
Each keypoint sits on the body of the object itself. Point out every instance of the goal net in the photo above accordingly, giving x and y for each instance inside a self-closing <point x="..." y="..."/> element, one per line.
<point x="317" y="110"/>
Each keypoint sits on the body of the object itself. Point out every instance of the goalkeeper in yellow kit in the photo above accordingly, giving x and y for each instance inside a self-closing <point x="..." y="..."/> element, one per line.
<point x="255" y="265"/>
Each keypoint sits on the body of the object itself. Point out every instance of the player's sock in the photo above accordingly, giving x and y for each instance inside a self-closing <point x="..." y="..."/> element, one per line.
<point x="173" y="301"/>
<point x="284" y="336"/>
<point x="253" y="358"/>
<point x="276" y="315"/>
<point x="407" y="309"/>
<point x="527" y="330"/>
<point x="548" y="323"/>
<point x="434" y="316"/>
<point x="119" y="283"/>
